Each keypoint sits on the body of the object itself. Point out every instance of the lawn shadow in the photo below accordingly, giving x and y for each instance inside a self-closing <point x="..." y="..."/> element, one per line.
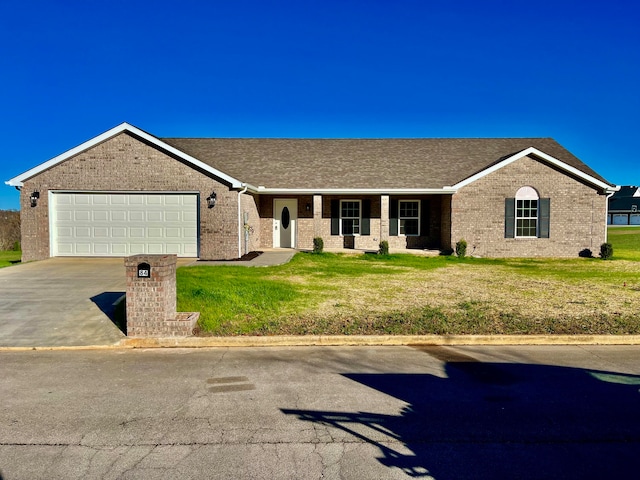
<point x="112" y="304"/>
<point x="499" y="420"/>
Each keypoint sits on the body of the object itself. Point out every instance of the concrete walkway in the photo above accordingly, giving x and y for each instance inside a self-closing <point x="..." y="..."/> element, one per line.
<point x="268" y="258"/>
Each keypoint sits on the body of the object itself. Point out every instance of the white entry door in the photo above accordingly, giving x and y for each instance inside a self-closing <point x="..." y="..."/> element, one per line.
<point x="285" y="219"/>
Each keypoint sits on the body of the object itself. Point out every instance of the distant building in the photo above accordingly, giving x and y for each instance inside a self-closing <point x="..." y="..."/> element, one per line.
<point x="624" y="206"/>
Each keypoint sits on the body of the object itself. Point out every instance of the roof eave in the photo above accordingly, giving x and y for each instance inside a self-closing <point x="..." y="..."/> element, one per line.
<point x="605" y="187"/>
<point x="19" y="180"/>
<point x="353" y="191"/>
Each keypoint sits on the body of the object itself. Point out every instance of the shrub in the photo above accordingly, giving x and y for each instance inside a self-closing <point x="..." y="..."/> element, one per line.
<point x="318" y="245"/>
<point x="461" y="248"/>
<point x="383" y="248"/>
<point x="585" y="253"/>
<point x="606" y="251"/>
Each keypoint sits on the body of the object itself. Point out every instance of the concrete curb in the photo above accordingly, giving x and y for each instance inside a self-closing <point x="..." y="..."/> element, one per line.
<point x="347" y="340"/>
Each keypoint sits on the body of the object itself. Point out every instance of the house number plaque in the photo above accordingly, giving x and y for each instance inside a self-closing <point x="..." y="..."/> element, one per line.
<point x="144" y="270"/>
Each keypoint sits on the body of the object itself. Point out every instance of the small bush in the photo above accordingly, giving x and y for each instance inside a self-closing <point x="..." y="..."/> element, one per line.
<point x="16" y="246"/>
<point x="461" y="248"/>
<point x="585" y="253"/>
<point x="318" y="245"/>
<point x="606" y="251"/>
<point x="383" y="248"/>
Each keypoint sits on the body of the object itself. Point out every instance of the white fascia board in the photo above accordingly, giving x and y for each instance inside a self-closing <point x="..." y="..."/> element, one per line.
<point x="354" y="191"/>
<point x="123" y="127"/>
<point x="548" y="158"/>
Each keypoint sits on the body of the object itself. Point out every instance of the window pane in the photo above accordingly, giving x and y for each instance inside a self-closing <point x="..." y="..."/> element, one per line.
<point x="408" y="209"/>
<point x="409" y="212"/>
<point x="350" y="209"/>
<point x="347" y="226"/>
<point x="526" y="218"/>
<point x="408" y="227"/>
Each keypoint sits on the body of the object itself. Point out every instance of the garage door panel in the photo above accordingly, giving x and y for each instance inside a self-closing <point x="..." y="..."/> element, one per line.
<point x="101" y="232"/>
<point x="136" y="216"/>
<point x="118" y="216"/>
<point x="119" y="248"/>
<point x="82" y="215"/>
<point x="100" y="215"/>
<point x="101" y="248"/>
<point x="124" y="224"/>
<point x="154" y="216"/>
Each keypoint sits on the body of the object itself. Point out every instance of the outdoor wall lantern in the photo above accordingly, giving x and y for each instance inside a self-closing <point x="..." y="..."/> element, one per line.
<point x="308" y="207"/>
<point x="211" y="200"/>
<point x="34" y="198"/>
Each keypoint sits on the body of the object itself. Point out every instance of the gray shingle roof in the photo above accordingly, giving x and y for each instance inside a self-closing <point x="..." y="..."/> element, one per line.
<point x="362" y="163"/>
<point x="624" y="199"/>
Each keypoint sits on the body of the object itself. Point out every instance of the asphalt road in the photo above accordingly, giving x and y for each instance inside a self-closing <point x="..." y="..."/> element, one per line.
<point x="322" y="412"/>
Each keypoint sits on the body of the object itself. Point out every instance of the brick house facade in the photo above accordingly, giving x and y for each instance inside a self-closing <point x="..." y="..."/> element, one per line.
<point x="505" y="197"/>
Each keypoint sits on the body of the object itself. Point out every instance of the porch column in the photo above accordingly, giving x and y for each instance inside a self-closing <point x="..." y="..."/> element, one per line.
<point x="384" y="217"/>
<point x="317" y="215"/>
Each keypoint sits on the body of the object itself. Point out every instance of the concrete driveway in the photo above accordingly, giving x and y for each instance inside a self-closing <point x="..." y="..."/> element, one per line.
<point x="60" y="302"/>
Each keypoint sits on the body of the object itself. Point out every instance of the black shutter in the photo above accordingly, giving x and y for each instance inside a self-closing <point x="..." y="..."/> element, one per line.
<point x="424" y="218"/>
<point x="509" y="217"/>
<point x="335" y="217"/>
<point x="365" y="228"/>
<point x="393" y="218"/>
<point x="543" y="216"/>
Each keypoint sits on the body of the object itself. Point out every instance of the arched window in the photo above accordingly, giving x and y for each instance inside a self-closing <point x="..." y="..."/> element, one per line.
<point x="527" y="215"/>
<point x="527" y="212"/>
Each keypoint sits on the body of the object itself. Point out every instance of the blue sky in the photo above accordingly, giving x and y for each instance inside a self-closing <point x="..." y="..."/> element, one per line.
<point x="71" y="69"/>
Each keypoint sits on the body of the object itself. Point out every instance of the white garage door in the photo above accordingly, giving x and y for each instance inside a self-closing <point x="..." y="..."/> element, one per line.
<point x="122" y="224"/>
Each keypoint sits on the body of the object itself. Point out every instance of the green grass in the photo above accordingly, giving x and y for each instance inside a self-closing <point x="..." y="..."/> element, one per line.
<point x="239" y="300"/>
<point x="408" y="294"/>
<point x="9" y="257"/>
<point x="626" y="243"/>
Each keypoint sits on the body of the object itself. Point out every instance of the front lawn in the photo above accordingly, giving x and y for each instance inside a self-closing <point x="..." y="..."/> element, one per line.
<point x="9" y="257"/>
<point x="407" y="294"/>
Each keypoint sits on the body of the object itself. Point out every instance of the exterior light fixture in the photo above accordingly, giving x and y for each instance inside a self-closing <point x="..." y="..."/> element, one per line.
<point x="211" y="200"/>
<point x="308" y="207"/>
<point x="34" y="198"/>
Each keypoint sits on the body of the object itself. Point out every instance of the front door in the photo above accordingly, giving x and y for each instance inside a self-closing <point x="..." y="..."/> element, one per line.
<point x="285" y="218"/>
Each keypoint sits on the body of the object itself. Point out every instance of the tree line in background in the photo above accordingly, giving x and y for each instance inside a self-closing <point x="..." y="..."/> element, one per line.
<point x="9" y="230"/>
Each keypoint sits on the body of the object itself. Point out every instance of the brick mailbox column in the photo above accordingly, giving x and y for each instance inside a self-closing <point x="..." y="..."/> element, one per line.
<point x="151" y="298"/>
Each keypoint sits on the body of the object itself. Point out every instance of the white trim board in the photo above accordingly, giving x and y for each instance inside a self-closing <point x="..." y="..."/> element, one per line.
<point x="123" y="127"/>
<point x="540" y="154"/>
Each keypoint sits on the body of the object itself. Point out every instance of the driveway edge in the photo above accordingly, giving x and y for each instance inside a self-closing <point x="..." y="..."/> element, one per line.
<point x="348" y="340"/>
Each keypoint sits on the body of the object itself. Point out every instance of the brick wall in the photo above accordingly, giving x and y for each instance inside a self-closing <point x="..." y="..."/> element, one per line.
<point x="249" y="205"/>
<point x="124" y="163"/>
<point x="577" y="214"/>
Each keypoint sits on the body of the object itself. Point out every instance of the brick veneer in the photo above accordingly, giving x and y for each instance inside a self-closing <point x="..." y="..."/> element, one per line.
<point x="125" y="163"/>
<point x="577" y="214"/>
<point x="151" y="302"/>
<point x="475" y="212"/>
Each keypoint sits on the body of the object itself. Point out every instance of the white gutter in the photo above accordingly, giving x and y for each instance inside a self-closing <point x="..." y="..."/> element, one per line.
<point x="354" y="191"/>
<point x="240" y="223"/>
<point x="606" y="227"/>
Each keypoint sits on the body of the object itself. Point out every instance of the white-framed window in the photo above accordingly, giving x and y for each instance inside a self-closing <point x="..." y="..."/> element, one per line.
<point x="350" y="217"/>
<point x="409" y="217"/>
<point x="527" y="213"/>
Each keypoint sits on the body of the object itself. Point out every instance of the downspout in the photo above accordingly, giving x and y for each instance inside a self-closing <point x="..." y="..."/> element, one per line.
<point x="606" y="225"/>
<point x="240" y="223"/>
